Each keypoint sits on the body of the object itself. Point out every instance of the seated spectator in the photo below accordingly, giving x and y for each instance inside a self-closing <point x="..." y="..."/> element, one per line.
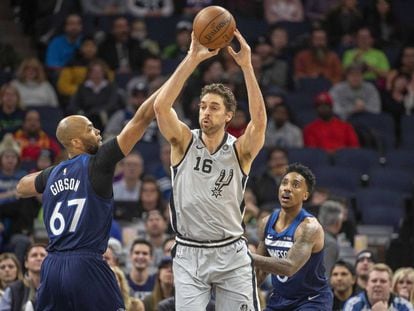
<point x="280" y="131"/>
<point x="21" y="294"/>
<point x="283" y="11"/>
<point x="279" y="41"/>
<point x="62" y="48"/>
<point x="329" y="132"/>
<point x="316" y="10"/>
<point x="11" y="112"/>
<point x="129" y="187"/>
<point x="150" y="8"/>
<point x="273" y="97"/>
<point x="238" y="123"/>
<point x="265" y="185"/>
<point x="365" y="260"/>
<point x="33" y="87"/>
<point x="405" y="65"/>
<point x="317" y="60"/>
<point x="102" y="8"/>
<point x="151" y="74"/>
<point x="409" y="99"/>
<point x="354" y="94"/>
<point x="97" y="97"/>
<point x="164" y="285"/>
<point x="403" y="283"/>
<point x="378" y="294"/>
<point x="139" y="33"/>
<point x="190" y="8"/>
<point x="375" y="61"/>
<point x="74" y="73"/>
<point x="10" y="271"/>
<point x="342" y="279"/>
<point x="131" y="303"/>
<point x="150" y="197"/>
<point x="163" y="172"/>
<point x="178" y="50"/>
<point x="119" y="51"/>
<point x="32" y="139"/>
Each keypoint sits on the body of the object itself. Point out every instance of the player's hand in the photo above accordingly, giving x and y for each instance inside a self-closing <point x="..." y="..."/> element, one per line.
<point x="199" y="51"/>
<point x="242" y="57"/>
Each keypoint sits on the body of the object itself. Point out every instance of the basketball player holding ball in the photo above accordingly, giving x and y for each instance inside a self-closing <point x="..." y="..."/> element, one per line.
<point x="209" y="172"/>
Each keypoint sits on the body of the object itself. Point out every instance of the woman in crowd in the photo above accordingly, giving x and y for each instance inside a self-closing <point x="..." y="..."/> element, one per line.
<point x="403" y="283"/>
<point x="11" y="112"/>
<point x="10" y="271"/>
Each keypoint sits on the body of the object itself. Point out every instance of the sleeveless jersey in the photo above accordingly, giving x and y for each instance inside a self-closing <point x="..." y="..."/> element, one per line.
<point x="76" y="218"/>
<point x="310" y="280"/>
<point x="207" y="192"/>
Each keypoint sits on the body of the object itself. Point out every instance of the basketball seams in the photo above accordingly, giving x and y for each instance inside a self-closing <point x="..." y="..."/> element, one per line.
<point x="207" y="26"/>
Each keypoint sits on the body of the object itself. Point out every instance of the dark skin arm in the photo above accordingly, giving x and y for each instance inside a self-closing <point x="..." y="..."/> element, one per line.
<point x="308" y="239"/>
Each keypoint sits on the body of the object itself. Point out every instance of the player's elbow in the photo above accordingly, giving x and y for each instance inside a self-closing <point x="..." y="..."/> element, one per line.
<point x="158" y="106"/>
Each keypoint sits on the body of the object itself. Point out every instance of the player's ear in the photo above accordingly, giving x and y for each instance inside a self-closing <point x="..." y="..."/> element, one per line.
<point x="306" y="196"/>
<point x="76" y="143"/>
<point x="229" y="116"/>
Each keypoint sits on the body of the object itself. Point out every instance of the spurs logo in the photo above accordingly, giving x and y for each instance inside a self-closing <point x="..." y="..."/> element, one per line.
<point x="222" y="181"/>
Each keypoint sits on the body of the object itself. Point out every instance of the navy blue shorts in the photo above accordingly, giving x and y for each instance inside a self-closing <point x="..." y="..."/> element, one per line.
<point x="322" y="301"/>
<point x="78" y="281"/>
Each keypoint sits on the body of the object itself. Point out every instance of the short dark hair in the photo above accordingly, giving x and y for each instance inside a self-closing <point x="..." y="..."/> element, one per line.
<point x="346" y="265"/>
<point x="223" y="91"/>
<point x="305" y="172"/>
<point x="141" y="241"/>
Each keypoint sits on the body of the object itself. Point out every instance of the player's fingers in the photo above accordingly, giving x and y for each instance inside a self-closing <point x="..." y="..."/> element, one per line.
<point x="231" y="51"/>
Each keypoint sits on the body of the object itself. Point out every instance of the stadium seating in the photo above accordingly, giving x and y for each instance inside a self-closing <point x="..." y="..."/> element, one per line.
<point x="407" y="132"/>
<point x="311" y="157"/>
<point x="360" y="159"/>
<point x="392" y="179"/>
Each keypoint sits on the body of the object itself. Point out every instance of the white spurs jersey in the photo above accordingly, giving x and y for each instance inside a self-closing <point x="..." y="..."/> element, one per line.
<point x="207" y="194"/>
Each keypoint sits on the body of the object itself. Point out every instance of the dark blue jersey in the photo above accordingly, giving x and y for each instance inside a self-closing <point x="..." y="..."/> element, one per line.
<point x="308" y="282"/>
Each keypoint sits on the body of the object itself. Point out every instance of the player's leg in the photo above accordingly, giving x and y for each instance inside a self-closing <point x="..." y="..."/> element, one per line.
<point x="48" y="293"/>
<point x="192" y="293"/>
<point x="236" y="288"/>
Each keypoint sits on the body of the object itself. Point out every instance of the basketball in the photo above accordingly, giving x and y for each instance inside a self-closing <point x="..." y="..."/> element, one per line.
<point x="214" y="27"/>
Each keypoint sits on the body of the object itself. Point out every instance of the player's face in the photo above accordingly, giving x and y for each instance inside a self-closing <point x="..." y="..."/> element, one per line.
<point x="378" y="286"/>
<point x="91" y="138"/>
<point x="35" y="258"/>
<point x="293" y="190"/>
<point x="212" y="113"/>
<point x="141" y="256"/>
<point x="341" y="279"/>
<point x="8" y="270"/>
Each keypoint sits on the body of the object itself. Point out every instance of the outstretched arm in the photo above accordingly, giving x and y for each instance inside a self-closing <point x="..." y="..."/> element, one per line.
<point x="26" y="186"/>
<point x="175" y="131"/>
<point x="308" y="233"/>
<point x="250" y="143"/>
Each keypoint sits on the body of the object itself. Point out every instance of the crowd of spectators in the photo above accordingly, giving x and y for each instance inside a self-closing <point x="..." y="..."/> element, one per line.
<point x="321" y="66"/>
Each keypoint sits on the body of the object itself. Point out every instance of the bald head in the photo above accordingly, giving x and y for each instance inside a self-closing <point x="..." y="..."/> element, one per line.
<point x="71" y="127"/>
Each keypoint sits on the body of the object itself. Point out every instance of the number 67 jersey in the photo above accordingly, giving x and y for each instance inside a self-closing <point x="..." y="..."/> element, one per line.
<point x="208" y="188"/>
<point x="76" y="218"/>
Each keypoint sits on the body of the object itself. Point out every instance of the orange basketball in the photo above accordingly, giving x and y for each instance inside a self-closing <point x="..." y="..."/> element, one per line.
<point x="214" y="27"/>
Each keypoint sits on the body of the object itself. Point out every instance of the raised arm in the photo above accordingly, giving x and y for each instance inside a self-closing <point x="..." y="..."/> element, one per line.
<point x="261" y="249"/>
<point x="135" y="128"/>
<point x="250" y="143"/>
<point x="176" y="132"/>
<point x="308" y="234"/>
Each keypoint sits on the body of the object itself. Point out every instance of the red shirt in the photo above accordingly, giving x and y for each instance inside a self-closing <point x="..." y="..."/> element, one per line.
<point x="31" y="147"/>
<point x="330" y="135"/>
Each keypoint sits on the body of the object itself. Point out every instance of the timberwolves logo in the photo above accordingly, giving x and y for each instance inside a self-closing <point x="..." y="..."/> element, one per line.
<point x="222" y="181"/>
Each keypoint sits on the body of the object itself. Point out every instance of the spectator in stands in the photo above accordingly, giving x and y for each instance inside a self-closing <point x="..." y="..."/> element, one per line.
<point x="164" y="285"/>
<point x="375" y="61"/>
<point x="178" y="50"/>
<point x="342" y="22"/>
<point x="342" y="279"/>
<point x="330" y="217"/>
<point x="155" y="233"/>
<point x="129" y="187"/>
<point x="328" y="132"/>
<point x="103" y="7"/>
<point x="365" y="260"/>
<point x="140" y="281"/>
<point x="62" y="48"/>
<point x="265" y="185"/>
<point x="190" y="8"/>
<point x="316" y="10"/>
<point x="139" y="33"/>
<point x="279" y="40"/>
<point x="111" y="256"/>
<point x="9" y="60"/>
<point x="354" y="94"/>
<point x="378" y="294"/>
<point x="318" y="60"/>
<point x="11" y="112"/>
<point x="97" y="97"/>
<point x="238" y="123"/>
<point x="409" y="99"/>
<point x="403" y="283"/>
<point x="74" y="73"/>
<point x="151" y="74"/>
<point x="280" y="131"/>
<point x="150" y="8"/>
<point x="273" y="97"/>
<point x="119" y="51"/>
<point x="283" y="11"/>
<point x="10" y="271"/>
<point x="150" y="197"/>
<point x="21" y="295"/>
<point x="137" y="94"/>
<point x="131" y="303"/>
<point x="34" y="89"/>
<point x="405" y="65"/>
<point x="33" y="139"/>
<point x="163" y="172"/>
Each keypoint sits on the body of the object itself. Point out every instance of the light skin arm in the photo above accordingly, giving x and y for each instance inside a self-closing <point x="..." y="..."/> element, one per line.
<point x="26" y="186"/>
<point x="261" y="250"/>
<point x="176" y="132"/>
<point x="309" y="232"/>
<point x="249" y="144"/>
<point x="135" y="128"/>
